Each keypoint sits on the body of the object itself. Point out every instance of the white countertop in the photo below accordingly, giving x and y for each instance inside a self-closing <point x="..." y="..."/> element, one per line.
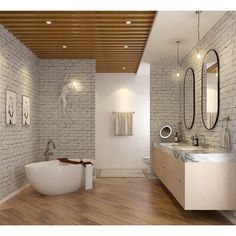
<point x="188" y="153"/>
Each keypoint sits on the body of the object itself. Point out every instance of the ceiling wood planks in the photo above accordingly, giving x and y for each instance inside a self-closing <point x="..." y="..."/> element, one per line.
<point x="100" y="35"/>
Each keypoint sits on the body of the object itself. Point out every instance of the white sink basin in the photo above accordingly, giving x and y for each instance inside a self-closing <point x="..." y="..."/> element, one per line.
<point x="187" y="148"/>
<point x="181" y="146"/>
<point x="169" y="144"/>
<point x="197" y="154"/>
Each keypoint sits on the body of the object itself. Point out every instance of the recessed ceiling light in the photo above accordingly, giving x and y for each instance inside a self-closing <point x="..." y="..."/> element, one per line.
<point x="64" y="46"/>
<point x="48" y="22"/>
<point x="128" y="22"/>
<point x="123" y="68"/>
<point x="126" y="46"/>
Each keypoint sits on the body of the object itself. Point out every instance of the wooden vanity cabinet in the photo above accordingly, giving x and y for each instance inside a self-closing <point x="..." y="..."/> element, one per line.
<point x="170" y="171"/>
<point x="197" y="185"/>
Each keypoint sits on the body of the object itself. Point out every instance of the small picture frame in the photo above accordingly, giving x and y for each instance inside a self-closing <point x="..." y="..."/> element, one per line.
<point x="26" y="110"/>
<point x="10" y="107"/>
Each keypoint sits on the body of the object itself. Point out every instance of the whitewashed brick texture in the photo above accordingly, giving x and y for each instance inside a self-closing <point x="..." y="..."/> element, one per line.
<point x="19" y="145"/>
<point x="164" y="101"/>
<point x="21" y="71"/>
<point x="74" y="133"/>
<point x="222" y="38"/>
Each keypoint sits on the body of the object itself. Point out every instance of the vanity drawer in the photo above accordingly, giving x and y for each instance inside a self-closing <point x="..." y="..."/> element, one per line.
<point x="168" y="169"/>
<point x="210" y="186"/>
<point x="159" y="164"/>
<point x="171" y="173"/>
<point x="179" y="188"/>
<point x="156" y="166"/>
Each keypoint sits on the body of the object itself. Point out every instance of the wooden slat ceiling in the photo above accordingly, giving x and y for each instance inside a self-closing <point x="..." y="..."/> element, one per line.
<point x="99" y="35"/>
<point x="213" y="68"/>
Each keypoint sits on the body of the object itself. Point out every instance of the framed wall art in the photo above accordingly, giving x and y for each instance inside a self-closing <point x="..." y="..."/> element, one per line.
<point x="26" y="110"/>
<point x="10" y="107"/>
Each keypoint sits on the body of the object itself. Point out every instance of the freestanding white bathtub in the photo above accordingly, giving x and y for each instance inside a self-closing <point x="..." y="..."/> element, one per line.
<point x="55" y="177"/>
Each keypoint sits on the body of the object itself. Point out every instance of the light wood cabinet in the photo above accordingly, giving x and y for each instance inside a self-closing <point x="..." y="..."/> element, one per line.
<point x="197" y="185"/>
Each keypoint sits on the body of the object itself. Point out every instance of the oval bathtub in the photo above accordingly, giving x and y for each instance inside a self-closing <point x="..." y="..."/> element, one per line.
<point x="54" y="177"/>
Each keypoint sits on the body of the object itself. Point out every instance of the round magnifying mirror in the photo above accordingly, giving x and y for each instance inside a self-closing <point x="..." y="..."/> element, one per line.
<point x="210" y="89"/>
<point x="165" y="131"/>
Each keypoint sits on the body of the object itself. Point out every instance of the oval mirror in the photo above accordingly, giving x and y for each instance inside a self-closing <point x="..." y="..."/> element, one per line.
<point x="189" y="98"/>
<point x="165" y="131"/>
<point x="210" y="89"/>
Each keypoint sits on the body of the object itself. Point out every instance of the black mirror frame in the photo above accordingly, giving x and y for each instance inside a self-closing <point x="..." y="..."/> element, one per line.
<point x="193" y="119"/>
<point x="218" y="89"/>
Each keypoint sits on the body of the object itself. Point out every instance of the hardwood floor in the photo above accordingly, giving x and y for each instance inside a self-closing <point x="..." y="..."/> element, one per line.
<point x="112" y="201"/>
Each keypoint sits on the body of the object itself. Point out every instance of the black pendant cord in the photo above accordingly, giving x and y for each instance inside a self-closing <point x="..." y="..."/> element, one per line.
<point x="198" y="30"/>
<point x="178" y="42"/>
<point x="198" y="33"/>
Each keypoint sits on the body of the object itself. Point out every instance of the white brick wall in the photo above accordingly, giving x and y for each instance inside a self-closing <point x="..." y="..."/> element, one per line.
<point x="74" y="135"/>
<point x="19" y="145"/>
<point x="164" y="100"/>
<point x="166" y="89"/>
<point x="22" y="72"/>
<point x="222" y="38"/>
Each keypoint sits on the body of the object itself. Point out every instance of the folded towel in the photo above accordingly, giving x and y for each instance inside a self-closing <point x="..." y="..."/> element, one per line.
<point x="123" y="123"/>
<point x="225" y="139"/>
<point x="66" y="160"/>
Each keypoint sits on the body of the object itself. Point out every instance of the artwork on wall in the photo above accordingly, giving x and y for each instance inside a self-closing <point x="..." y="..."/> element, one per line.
<point x="26" y="110"/>
<point x="66" y="88"/>
<point x="10" y="107"/>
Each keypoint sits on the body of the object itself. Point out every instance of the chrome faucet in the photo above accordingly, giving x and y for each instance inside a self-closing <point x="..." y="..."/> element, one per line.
<point x="195" y="140"/>
<point x="47" y="152"/>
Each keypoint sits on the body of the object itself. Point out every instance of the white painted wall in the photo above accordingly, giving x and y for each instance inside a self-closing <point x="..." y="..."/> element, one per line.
<point x="122" y="93"/>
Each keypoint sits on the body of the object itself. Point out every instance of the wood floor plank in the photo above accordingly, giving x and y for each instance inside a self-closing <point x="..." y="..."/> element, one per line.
<point x="112" y="201"/>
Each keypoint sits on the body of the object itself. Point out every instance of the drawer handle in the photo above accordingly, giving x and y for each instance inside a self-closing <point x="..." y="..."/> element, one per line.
<point x="180" y="181"/>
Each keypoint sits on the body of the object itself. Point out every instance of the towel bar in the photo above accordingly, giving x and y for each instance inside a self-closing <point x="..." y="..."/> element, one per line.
<point x="124" y="111"/>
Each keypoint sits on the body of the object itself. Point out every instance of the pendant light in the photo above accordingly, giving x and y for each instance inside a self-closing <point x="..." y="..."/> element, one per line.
<point x="177" y="66"/>
<point x="198" y="35"/>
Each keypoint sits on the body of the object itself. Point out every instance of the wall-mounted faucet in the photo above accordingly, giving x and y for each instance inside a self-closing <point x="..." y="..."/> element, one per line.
<point x="195" y="140"/>
<point x="47" y="152"/>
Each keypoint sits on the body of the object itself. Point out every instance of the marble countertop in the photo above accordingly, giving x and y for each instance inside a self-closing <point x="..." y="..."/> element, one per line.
<point x="189" y="153"/>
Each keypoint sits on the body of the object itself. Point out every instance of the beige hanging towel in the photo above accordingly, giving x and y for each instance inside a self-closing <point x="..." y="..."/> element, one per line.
<point x="123" y="122"/>
<point x="225" y="141"/>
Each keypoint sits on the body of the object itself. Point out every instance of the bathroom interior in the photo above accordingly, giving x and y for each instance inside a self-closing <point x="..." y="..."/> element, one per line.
<point x="117" y="117"/>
